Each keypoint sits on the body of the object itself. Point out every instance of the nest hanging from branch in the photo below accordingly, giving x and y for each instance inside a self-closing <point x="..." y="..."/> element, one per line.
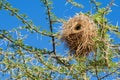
<point x="78" y="34"/>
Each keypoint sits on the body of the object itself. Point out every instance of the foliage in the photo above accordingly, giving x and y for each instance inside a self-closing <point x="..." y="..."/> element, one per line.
<point x="25" y="62"/>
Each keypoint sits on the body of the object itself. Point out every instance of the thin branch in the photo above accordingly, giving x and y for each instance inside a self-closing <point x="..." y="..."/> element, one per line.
<point x="94" y="2"/>
<point x="50" y="25"/>
<point x="30" y="51"/>
<point x="25" y="22"/>
<point x="109" y="74"/>
<point x="53" y="38"/>
<point x="110" y="4"/>
<point x="23" y="47"/>
<point x="96" y="70"/>
<point x="62" y="61"/>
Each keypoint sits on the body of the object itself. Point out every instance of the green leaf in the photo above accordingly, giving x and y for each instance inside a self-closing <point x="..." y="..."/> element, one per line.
<point x="98" y="3"/>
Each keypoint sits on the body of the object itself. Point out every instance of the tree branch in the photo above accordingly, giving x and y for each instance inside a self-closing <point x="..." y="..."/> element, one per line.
<point x="109" y="73"/>
<point x="50" y="25"/>
<point x="26" y="23"/>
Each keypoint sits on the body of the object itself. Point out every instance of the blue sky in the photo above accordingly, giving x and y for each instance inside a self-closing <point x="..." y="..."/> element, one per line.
<point x="35" y="11"/>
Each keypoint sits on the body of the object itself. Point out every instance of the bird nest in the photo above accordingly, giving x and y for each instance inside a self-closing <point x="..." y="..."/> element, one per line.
<point x="78" y="35"/>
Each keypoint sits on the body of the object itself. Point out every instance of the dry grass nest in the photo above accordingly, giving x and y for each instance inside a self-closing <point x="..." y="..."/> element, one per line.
<point x="78" y="35"/>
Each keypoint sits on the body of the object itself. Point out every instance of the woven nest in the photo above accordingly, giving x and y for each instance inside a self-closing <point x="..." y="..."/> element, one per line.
<point x="78" y="34"/>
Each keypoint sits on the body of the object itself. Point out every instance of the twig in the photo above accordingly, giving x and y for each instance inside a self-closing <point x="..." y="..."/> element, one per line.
<point x="110" y="4"/>
<point x="25" y="22"/>
<point x="94" y="2"/>
<point x="96" y="70"/>
<point x="23" y="47"/>
<point x="109" y="74"/>
<point x="30" y="51"/>
<point x="62" y="61"/>
<point x="50" y="25"/>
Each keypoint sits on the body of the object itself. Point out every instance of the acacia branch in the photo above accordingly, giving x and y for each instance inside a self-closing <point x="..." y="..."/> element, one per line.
<point x="94" y="2"/>
<point x="24" y="47"/>
<point x="50" y="25"/>
<point x="26" y="23"/>
<point x="36" y="52"/>
<point x="28" y="50"/>
<point x="109" y="6"/>
<point x="51" y="29"/>
<point x="96" y="70"/>
<point x="110" y="73"/>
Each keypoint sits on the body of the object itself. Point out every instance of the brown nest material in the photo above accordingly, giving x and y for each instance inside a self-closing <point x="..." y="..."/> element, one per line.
<point x="78" y="34"/>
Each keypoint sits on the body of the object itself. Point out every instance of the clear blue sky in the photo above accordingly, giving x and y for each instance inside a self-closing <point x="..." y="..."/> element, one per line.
<point x="35" y="11"/>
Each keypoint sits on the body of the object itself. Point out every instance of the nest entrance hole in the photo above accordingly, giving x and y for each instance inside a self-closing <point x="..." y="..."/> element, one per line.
<point x="78" y="27"/>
